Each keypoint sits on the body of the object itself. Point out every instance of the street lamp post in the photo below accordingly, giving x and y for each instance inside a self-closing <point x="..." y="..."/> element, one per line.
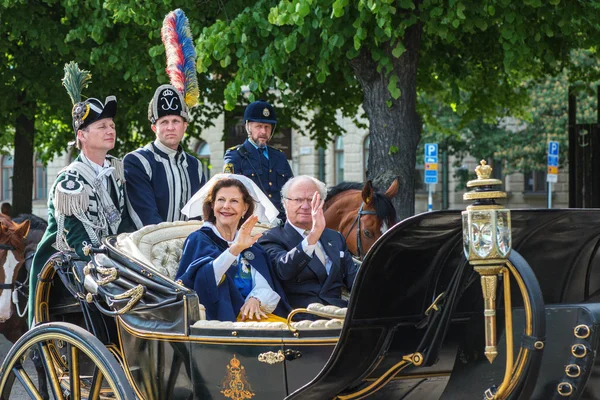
<point x="487" y="243"/>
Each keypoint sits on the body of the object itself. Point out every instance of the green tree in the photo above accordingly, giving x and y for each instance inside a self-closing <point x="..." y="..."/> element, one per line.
<point x="336" y="55"/>
<point x="521" y="143"/>
<point x="36" y="111"/>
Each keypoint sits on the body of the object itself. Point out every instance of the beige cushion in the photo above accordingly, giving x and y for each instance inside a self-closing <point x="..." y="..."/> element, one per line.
<point x="330" y="311"/>
<point x="270" y="326"/>
<point x="159" y="246"/>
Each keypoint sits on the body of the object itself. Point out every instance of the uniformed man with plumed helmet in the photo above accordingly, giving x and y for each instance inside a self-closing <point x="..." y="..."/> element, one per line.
<point x="87" y="200"/>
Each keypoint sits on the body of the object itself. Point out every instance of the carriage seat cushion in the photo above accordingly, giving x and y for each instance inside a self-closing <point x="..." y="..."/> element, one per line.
<point x="337" y="315"/>
<point x="277" y="326"/>
<point x="159" y="246"/>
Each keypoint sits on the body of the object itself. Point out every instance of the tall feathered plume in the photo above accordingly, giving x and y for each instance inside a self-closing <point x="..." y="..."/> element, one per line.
<point x="181" y="55"/>
<point x="75" y="80"/>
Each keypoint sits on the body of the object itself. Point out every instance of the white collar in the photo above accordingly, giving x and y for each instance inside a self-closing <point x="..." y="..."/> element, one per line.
<point x="97" y="168"/>
<point x="169" y="151"/>
<point x="216" y="231"/>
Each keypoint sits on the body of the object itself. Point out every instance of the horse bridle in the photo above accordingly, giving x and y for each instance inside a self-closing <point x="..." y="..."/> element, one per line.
<point x="361" y="212"/>
<point x="16" y="286"/>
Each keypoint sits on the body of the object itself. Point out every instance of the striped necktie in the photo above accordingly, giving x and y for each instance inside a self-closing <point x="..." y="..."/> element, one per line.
<point x="318" y="250"/>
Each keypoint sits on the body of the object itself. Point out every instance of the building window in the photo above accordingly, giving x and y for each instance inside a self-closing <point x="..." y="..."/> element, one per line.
<point x="6" y="177"/>
<point x="40" y="181"/>
<point x="339" y="160"/>
<point x="534" y="182"/>
<point x="203" y="153"/>
<point x="366" y="144"/>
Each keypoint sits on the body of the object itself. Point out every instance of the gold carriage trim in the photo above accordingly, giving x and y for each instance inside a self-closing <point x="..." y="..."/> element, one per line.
<point x="235" y="385"/>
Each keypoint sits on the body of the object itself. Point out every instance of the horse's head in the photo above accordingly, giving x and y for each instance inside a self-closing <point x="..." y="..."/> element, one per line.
<point x="361" y="214"/>
<point x="378" y="214"/>
<point x="12" y="255"/>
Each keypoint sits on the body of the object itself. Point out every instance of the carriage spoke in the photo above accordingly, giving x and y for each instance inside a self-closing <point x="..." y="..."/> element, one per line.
<point x="26" y="381"/>
<point x="6" y="391"/>
<point x="49" y="367"/>
<point x="96" y="384"/>
<point x="73" y="363"/>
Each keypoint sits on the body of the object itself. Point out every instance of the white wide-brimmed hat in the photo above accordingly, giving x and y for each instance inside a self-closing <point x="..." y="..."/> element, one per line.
<point x="263" y="208"/>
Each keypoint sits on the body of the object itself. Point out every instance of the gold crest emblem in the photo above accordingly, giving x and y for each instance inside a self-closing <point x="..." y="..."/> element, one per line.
<point x="266" y="112"/>
<point x="235" y="385"/>
<point x="228" y="169"/>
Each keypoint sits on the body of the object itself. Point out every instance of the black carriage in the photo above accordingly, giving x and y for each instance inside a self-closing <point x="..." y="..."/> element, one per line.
<point x="120" y="327"/>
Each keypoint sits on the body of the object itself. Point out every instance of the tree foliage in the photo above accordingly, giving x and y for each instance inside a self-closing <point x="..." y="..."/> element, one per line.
<point x="126" y="60"/>
<point x="521" y="143"/>
<point x="313" y="58"/>
<point x="326" y="55"/>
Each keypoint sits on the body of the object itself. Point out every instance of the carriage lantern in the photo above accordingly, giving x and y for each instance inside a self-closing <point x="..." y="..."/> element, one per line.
<point x="487" y="243"/>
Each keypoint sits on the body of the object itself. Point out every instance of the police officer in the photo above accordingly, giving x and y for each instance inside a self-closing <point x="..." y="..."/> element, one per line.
<point x="265" y="165"/>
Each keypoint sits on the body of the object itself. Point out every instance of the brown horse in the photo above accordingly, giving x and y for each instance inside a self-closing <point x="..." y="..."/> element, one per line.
<point x="17" y="246"/>
<point x="12" y="258"/>
<point x="360" y="213"/>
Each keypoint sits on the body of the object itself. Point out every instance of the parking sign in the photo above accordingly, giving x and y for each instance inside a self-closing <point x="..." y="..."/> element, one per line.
<point x="431" y="163"/>
<point x="431" y="150"/>
<point x="552" y="176"/>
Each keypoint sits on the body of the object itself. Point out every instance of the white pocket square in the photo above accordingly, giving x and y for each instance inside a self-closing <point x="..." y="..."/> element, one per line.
<point x="342" y="254"/>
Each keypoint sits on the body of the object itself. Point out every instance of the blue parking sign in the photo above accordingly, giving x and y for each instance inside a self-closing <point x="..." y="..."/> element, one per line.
<point x="431" y="159"/>
<point x="553" y="149"/>
<point x="431" y="150"/>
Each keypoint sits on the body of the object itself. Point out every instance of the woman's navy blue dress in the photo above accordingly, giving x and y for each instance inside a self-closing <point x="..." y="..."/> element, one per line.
<point x="224" y="301"/>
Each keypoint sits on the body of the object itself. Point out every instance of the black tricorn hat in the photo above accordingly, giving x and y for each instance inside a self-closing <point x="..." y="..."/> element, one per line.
<point x="92" y="110"/>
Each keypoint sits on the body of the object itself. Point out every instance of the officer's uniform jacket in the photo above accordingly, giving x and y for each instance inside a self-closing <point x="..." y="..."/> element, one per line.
<point x="83" y="208"/>
<point x="160" y="181"/>
<point x="268" y="174"/>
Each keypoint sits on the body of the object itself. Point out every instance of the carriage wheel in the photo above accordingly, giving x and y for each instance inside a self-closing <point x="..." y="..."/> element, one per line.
<point x="78" y="366"/>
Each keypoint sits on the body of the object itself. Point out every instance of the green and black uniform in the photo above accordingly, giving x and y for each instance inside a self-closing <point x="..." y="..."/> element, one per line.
<point x="86" y="203"/>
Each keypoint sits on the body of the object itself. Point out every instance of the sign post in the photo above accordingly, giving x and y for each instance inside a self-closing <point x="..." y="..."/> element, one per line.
<point x="552" y="176"/>
<point x="431" y="170"/>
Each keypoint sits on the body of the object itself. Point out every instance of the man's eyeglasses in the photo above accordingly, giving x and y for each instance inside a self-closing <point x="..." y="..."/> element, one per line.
<point x="299" y="201"/>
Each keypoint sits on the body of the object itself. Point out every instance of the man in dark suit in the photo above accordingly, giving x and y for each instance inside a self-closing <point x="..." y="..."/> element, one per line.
<point x="312" y="262"/>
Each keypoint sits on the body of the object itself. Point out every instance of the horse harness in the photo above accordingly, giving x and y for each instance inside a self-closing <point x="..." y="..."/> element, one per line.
<point x="17" y="287"/>
<point x="357" y="221"/>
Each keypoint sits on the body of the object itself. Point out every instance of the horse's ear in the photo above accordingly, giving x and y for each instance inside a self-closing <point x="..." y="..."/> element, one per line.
<point x="393" y="189"/>
<point x="367" y="193"/>
<point x="22" y="229"/>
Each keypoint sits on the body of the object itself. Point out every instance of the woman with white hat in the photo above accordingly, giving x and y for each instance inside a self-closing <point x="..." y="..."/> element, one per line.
<point x="222" y="262"/>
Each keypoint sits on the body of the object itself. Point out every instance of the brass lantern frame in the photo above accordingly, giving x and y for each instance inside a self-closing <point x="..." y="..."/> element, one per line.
<point x="491" y="263"/>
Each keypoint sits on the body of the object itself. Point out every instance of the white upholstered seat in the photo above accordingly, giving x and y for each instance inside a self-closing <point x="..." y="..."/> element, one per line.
<point x="277" y="326"/>
<point x="159" y="246"/>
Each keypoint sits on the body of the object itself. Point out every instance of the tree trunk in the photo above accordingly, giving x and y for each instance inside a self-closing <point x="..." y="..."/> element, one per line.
<point x="394" y="125"/>
<point x="23" y="164"/>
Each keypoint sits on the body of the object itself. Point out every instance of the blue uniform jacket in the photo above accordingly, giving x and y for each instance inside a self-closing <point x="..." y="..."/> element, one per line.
<point x="223" y="302"/>
<point x="159" y="185"/>
<point x="268" y="174"/>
